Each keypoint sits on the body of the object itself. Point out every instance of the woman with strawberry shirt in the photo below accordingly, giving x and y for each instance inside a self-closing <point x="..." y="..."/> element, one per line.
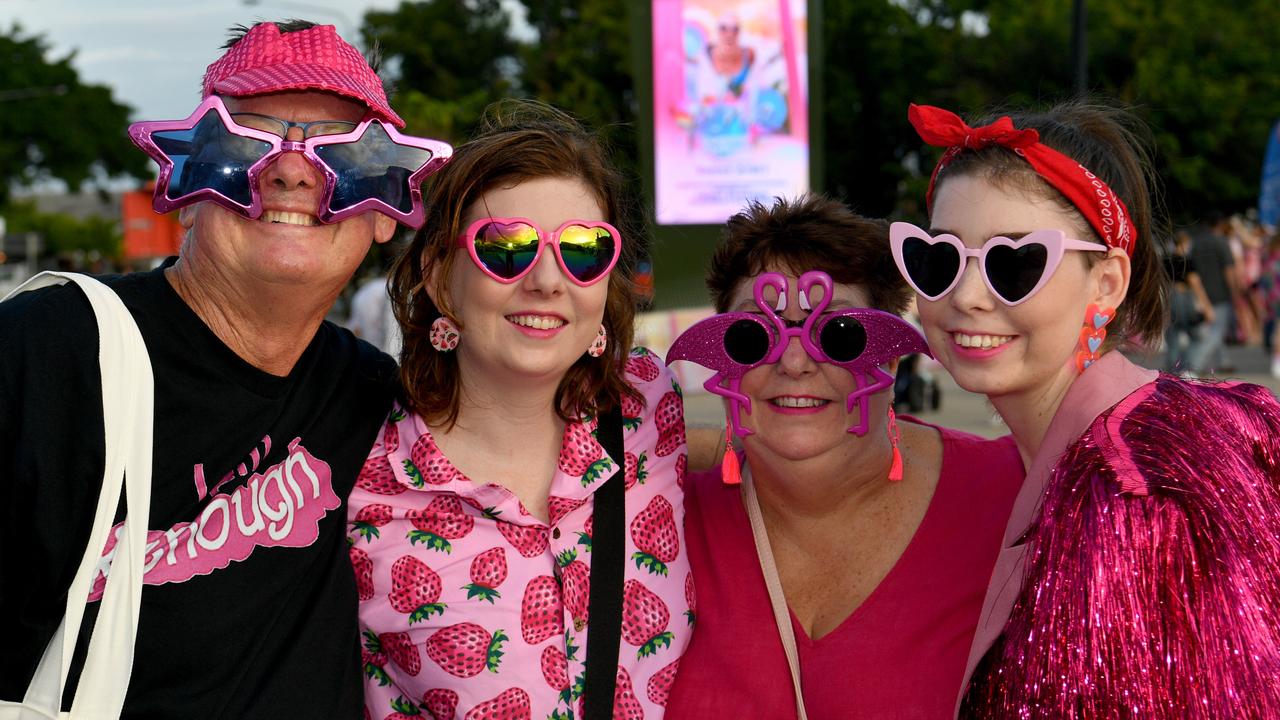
<point x="473" y="520"/>
<point x="881" y="531"/>
<point x="1139" y="573"/>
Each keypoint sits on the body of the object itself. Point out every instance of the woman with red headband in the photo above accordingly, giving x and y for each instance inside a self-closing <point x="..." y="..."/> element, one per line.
<point x="1140" y="575"/>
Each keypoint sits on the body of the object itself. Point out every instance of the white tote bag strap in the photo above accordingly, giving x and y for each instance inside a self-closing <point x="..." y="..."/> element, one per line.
<point x="128" y="407"/>
<point x="781" y="615"/>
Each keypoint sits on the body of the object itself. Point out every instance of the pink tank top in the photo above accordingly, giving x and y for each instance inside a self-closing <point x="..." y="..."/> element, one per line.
<point x="901" y="654"/>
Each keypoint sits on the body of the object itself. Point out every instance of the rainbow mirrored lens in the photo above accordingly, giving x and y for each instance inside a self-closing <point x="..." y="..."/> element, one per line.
<point x="209" y="157"/>
<point x="507" y="250"/>
<point x="587" y="252"/>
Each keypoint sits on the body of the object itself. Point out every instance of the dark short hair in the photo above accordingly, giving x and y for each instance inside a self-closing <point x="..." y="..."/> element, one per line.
<point x="1115" y="145"/>
<point x="517" y="140"/>
<point x="810" y="232"/>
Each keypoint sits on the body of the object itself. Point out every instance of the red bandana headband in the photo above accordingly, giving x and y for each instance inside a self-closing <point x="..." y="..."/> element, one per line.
<point x="1105" y="212"/>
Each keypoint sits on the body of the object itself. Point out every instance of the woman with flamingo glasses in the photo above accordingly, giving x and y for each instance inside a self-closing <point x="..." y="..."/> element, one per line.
<point x="1139" y="574"/>
<point x="517" y="533"/>
<point x="866" y="539"/>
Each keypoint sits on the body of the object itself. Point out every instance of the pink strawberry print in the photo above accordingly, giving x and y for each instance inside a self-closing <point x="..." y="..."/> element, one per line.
<point x="555" y="670"/>
<point x="691" y="597"/>
<point x="644" y="619"/>
<point x="669" y="417"/>
<point x="584" y="537"/>
<point x="654" y="533"/>
<point x="363" y="567"/>
<point x="415" y="589"/>
<point x="641" y="366"/>
<point x="434" y="467"/>
<point x="403" y="709"/>
<point x="575" y="585"/>
<point x="441" y="703"/>
<point x="540" y="610"/>
<point x="581" y="456"/>
<point x="402" y="652"/>
<point x="463" y="650"/>
<point x="635" y="472"/>
<point x="488" y="571"/>
<point x="527" y="540"/>
<point x="511" y="704"/>
<point x="391" y="431"/>
<point x="626" y="706"/>
<point x="369" y="519"/>
<point x="682" y="467"/>
<point x="377" y="477"/>
<point x="374" y="659"/>
<point x="632" y="411"/>
<point x="442" y="520"/>
<point x="489" y="512"/>
<point x="659" y="687"/>
<point x="558" y="507"/>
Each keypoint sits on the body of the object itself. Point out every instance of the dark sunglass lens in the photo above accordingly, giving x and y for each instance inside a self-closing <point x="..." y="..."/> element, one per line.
<point x="1015" y="272"/>
<point x="373" y="167"/>
<point x="209" y="157"/>
<point x="506" y="249"/>
<point x="746" y="342"/>
<point x="587" y="252"/>
<point x="931" y="268"/>
<point x="842" y="338"/>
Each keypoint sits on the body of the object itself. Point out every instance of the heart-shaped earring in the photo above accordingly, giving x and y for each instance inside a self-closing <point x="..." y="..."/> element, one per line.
<point x="1092" y="334"/>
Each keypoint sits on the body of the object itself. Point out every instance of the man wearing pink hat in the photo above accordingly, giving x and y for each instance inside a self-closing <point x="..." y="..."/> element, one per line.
<point x="291" y="167"/>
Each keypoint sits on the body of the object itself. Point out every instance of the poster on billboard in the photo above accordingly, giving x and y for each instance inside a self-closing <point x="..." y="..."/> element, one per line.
<point x="730" y="84"/>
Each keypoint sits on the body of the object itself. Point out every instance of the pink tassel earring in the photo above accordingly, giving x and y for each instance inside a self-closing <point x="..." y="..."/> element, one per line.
<point x="895" y="466"/>
<point x="730" y="468"/>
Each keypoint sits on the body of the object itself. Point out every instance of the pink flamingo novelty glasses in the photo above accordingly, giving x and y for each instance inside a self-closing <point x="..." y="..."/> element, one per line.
<point x="506" y="249"/>
<point x="210" y="156"/>
<point x="1013" y="270"/>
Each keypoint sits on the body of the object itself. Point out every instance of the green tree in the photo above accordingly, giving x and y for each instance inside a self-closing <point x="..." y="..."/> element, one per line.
<point x="61" y="233"/>
<point x="54" y="126"/>
<point x="447" y="60"/>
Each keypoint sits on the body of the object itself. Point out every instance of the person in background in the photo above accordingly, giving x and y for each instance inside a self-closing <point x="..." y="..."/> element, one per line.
<point x="1216" y="267"/>
<point x="1189" y="307"/>
<point x="263" y="412"/>
<point x="884" y="533"/>
<point x="473" y="520"/>
<point x="1144" y="546"/>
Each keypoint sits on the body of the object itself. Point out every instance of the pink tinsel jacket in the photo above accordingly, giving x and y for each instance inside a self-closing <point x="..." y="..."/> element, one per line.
<point x="1140" y="575"/>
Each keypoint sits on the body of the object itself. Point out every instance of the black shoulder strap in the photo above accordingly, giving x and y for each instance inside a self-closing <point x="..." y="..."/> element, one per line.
<point x="604" y="609"/>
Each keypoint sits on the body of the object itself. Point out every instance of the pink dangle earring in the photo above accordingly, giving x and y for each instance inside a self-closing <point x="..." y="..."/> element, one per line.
<point x="600" y="343"/>
<point x="1092" y="334"/>
<point x="444" y="334"/>
<point x="895" y="466"/>
<point x="730" y="468"/>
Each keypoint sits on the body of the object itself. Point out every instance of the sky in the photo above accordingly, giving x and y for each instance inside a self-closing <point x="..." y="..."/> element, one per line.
<point x="152" y="55"/>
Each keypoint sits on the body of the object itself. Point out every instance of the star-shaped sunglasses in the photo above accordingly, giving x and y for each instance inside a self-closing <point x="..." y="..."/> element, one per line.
<point x="210" y="156"/>
<point x="860" y="340"/>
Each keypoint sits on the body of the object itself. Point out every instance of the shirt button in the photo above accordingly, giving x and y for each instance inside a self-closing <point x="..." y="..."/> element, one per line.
<point x="555" y="534"/>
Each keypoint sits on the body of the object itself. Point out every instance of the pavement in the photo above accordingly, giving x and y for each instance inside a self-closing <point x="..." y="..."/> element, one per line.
<point x="972" y="413"/>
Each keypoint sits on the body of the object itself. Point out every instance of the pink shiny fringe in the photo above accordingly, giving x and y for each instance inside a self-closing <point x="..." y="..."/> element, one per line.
<point x="1158" y="606"/>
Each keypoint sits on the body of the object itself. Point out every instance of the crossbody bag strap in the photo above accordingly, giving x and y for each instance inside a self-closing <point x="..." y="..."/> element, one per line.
<point x="781" y="615"/>
<point x="128" y="415"/>
<point x="608" y="559"/>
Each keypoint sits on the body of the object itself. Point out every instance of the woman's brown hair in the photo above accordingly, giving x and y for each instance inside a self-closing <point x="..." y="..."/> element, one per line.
<point x="811" y="232"/>
<point x="517" y="140"/>
<point x="1114" y="145"/>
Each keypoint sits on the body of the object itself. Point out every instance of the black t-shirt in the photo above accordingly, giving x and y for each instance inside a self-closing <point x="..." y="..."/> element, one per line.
<point x="1178" y="267"/>
<point x="249" y="610"/>
<point x="1212" y="257"/>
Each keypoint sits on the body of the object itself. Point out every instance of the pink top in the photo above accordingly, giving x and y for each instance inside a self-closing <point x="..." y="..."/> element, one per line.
<point x="900" y="654"/>
<point x="472" y="608"/>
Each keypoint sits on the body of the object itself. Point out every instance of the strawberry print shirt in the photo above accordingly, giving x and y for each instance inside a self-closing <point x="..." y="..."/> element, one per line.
<point x="472" y="608"/>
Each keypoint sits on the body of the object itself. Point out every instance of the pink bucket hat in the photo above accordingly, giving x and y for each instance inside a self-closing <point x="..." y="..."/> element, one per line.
<point x="266" y="60"/>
